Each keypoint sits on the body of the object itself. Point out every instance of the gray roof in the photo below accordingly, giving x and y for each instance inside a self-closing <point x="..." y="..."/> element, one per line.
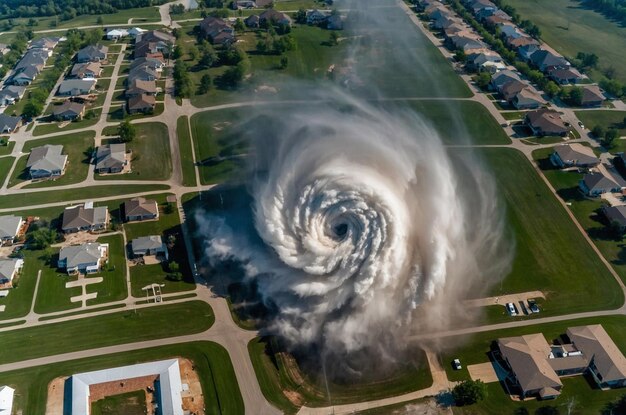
<point x="80" y="69"/>
<point x="79" y="217"/>
<point x="7" y="267"/>
<point x="9" y="226"/>
<point x="13" y="91"/>
<point x="32" y="57"/>
<point x="599" y="182"/>
<point x="616" y="214"/>
<point x="47" y="158"/>
<point x="152" y="63"/>
<point x="28" y="72"/>
<point x="76" y="85"/>
<point x="68" y="108"/>
<point x="576" y="154"/>
<point x="503" y="77"/>
<point x="45" y="42"/>
<point x="155" y="36"/>
<point x="596" y="344"/>
<point x="544" y="58"/>
<point x="143" y="72"/>
<point x="87" y="253"/>
<point x="92" y="52"/>
<point x="8" y="122"/>
<point x="145" y="243"/>
<point x="111" y="156"/>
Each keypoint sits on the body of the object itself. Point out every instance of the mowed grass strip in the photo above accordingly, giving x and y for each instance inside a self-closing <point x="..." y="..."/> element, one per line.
<point x="568" y="27"/>
<point x="551" y="254"/>
<point x="186" y="151"/>
<point x="20" y="297"/>
<point x="74" y="145"/>
<point x="113" y="286"/>
<point x="167" y="320"/>
<point x="68" y="195"/>
<point x="211" y="361"/>
<point x="5" y="167"/>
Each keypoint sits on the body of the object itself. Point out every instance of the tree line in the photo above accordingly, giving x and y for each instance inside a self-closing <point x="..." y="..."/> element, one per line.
<point x="613" y="9"/>
<point x="68" y="8"/>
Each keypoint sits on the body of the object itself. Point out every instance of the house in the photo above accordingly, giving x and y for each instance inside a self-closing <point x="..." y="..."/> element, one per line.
<point x="511" y="89"/>
<point x="84" y="218"/>
<point x="116" y="34"/>
<point x="316" y="17"/>
<point x="157" y="36"/>
<point x="455" y="29"/>
<point x="68" y="110"/>
<point x="33" y="57"/>
<point x="218" y="31"/>
<point x="544" y="122"/>
<point x="10" y="228"/>
<point x="149" y="245"/>
<point x="615" y="215"/>
<point x="527" y="99"/>
<point x="467" y="44"/>
<point x="45" y="43"/>
<point x="252" y="21"/>
<point x="6" y="400"/>
<point x="243" y="4"/>
<point x="607" y="364"/>
<point x="143" y="73"/>
<point x="140" y="208"/>
<point x="518" y="42"/>
<point x="503" y="77"/>
<point x="74" y="87"/>
<point x="141" y="103"/>
<point x="564" y="76"/>
<point x="544" y="60"/>
<point x="9" y="268"/>
<point x="592" y="96"/>
<point x="86" y="258"/>
<point x="9" y="124"/>
<point x="526" y="51"/>
<point x="111" y="158"/>
<point x="573" y="155"/>
<point x="274" y="17"/>
<point x="46" y="162"/>
<point x="146" y="48"/>
<point x="510" y="30"/>
<point x="92" y="53"/>
<point x="527" y="361"/>
<point x="25" y="75"/>
<point x="135" y="31"/>
<point x="139" y="87"/>
<point x="595" y="184"/>
<point x="86" y="70"/>
<point x="156" y="64"/>
<point x="10" y="94"/>
<point x="486" y="62"/>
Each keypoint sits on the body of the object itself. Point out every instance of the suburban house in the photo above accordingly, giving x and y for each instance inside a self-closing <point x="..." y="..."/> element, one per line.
<point x="527" y="99"/>
<point x="86" y="258"/>
<point x="9" y="124"/>
<point x="535" y="367"/>
<point x="10" y="94"/>
<point x="141" y="103"/>
<point x="73" y="87"/>
<point x="6" y="400"/>
<point x="135" y="31"/>
<point x="85" y="218"/>
<point x="316" y="17"/>
<point x="10" y="228"/>
<point x="86" y="70"/>
<point x="116" y="34"/>
<point x="46" y="162"/>
<point x="592" y="96"/>
<point x="544" y="59"/>
<point x="45" y="43"/>
<point x="573" y="155"/>
<point x="92" y="53"/>
<point x="565" y="76"/>
<point x="503" y="77"/>
<point x="243" y="4"/>
<point x="143" y="73"/>
<point x="526" y="51"/>
<point x="252" y="21"/>
<point x="519" y="42"/>
<point x="68" y="110"/>
<point x="157" y="36"/>
<point x="153" y="63"/>
<point x="111" y="158"/>
<point x="615" y="215"/>
<point x="511" y="89"/>
<point x="9" y="268"/>
<point x="140" y="87"/>
<point x="26" y="75"/>
<point x="140" y="208"/>
<point x="217" y="31"/>
<point x="544" y="122"/>
<point x="274" y="17"/>
<point x="486" y="62"/>
<point x="149" y="245"/>
<point x="595" y="184"/>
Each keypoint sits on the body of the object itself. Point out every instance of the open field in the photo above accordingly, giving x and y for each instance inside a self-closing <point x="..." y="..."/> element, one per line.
<point x="52" y="294"/>
<point x="113" y="287"/>
<point x="606" y="119"/>
<point x="166" y="320"/>
<point x="474" y="350"/>
<point x="278" y="373"/>
<point x="570" y="28"/>
<point x="20" y="297"/>
<point x="219" y="384"/>
<point x="144" y="275"/>
<point x="572" y="276"/>
<point x="186" y="153"/>
<point x="5" y="167"/>
<point x="74" y="145"/>
<point x="39" y="198"/>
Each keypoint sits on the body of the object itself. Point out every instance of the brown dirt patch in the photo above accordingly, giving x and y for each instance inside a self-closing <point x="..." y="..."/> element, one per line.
<point x="193" y="399"/>
<point x="54" y="404"/>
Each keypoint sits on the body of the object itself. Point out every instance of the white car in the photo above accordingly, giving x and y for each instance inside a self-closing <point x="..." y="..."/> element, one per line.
<point x="511" y="309"/>
<point x="456" y="363"/>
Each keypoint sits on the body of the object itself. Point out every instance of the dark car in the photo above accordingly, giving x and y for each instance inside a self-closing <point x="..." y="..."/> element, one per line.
<point x="532" y="305"/>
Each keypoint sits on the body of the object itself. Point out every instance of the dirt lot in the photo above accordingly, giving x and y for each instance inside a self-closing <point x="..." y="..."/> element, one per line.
<point x="55" y="396"/>
<point x="193" y="400"/>
<point x="483" y="371"/>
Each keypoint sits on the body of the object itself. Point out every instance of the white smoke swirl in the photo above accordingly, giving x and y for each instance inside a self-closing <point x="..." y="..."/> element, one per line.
<point x="368" y="221"/>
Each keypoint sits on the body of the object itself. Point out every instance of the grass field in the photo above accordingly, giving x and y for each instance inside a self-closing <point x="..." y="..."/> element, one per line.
<point x="144" y="275"/>
<point x="151" y="158"/>
<point x="570" y="28"/>
<point x="113" y="287"/>
<point x="8" y="148"/>
<point x="43" y="129"/>
<point x="116" y="328"/>
<point x="473" y="350"/>
<point x="214" y="367"/>
<point x="277" y="373"/>
<point x="606" y="119"/>
<point x="74" y="145"/>
<point x="186" y="153"/>
<point x="20" y="297"/>
<point x="5" y="167"/>
<point x="38" y="198"/>
<point x="129" y="403"/>
<point x="572" y="276"/>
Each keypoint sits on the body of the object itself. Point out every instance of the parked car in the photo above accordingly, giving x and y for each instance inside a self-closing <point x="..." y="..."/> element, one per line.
<point x="510" y="307"/>
<point x="456" y="364"/>
<point x="532" y="305"/>
<point x="581" y="125"/>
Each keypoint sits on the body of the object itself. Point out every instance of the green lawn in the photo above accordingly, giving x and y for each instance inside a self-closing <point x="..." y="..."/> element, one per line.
<point x="113" y="287"/>
<point x="212" y="362"/>
<point x="144" y="275"/>
<point x="186" y="152"/>
<point x="550" y="253"/>
<point x="130" y="403"/>
<point x="168" y="221"/>
<point x="570" y="28"/>
<point x="5" y="167"/>
<point x="151" y="158"/>
<point x="53" y="127"/>
<point x="277" y="373"/>
<point x="68" y="195"/>
<point x="474" y="350"/>
<point x="606" y="119"/>
<point x="74" y="145"/>
<point x="20" y="297"/>
<point x="52" y="295"/>
<point x="8" y="148"/>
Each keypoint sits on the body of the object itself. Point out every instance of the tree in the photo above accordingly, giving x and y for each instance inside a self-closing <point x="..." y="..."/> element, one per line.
<point x="483" y="80"/>
<point x="239" y="26"/>
<point x="99" y="20"/>
<point x="609" y="138"/>
<point x="173" y="266"/>
<point x="126" y="131"/>
<point x="551" y="88"/>
<point x="460" y="55"/>
<point x="587" y="60"/>
<point x="40" y="238"/>
<point x="624" y="123"/>
<point x="193" y="52"/>
<point x="205" y="84"/>
<point x="208" y="59"/>
<point x="284" y="62"/>
<point x="333" y="39"/>
<point x="469" y="392"/>
<point x="617" y="407"/>
<point x="576" y="96"/>
<point x="300" y="16"/>
<point x="597" y="131"/>
<point x="32" y="109"/>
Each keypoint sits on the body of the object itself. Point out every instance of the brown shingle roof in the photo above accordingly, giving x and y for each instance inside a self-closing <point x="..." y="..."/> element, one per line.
<point x="141" y="206"/>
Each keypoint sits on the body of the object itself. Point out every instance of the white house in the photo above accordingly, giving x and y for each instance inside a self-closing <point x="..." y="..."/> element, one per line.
<point x="9" y="268"/>
<point x="116" y="34"/>
<point x="6" y="400"/>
